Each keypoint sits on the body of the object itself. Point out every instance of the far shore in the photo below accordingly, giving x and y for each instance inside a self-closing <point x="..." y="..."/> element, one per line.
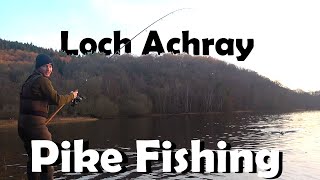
<point x="12" y="123"/>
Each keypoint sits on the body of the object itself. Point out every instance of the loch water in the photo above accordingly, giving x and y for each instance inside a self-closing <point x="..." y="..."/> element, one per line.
<point x="295" y="134"/>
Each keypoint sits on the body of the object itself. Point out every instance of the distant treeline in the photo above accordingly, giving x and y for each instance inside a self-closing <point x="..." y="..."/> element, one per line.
<point x="129" y="85"/>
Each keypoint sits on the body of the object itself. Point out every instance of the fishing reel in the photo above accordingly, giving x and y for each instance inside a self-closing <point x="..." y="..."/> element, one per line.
<point x="77" y="100"/>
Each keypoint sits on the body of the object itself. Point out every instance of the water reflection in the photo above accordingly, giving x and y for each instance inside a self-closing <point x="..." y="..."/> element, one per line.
<point x="296" y="134"/>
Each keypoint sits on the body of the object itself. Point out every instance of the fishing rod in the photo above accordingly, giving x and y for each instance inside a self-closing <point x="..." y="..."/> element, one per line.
<point x="74" y="102"/>
<point x="146" y="29"/>
<point x="53" y="114"/>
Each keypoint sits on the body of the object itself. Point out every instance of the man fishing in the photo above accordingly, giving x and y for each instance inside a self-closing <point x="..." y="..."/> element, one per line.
<point x="36" y="94"/>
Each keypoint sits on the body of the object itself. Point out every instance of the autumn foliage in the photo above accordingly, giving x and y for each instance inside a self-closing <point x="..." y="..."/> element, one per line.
<point x="127" y="85"/>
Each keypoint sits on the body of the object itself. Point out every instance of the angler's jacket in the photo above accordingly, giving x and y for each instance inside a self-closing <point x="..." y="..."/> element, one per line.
<point x="36" y="94"/>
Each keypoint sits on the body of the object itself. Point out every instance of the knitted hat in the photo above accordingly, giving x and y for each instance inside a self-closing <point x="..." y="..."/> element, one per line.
<point x="42" y="59"/>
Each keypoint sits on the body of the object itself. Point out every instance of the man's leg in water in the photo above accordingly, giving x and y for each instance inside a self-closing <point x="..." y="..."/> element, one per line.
<point x="44" y="134"/>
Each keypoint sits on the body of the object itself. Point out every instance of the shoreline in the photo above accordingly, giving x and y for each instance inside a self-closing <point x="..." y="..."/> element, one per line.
<point x="13" y="123"/>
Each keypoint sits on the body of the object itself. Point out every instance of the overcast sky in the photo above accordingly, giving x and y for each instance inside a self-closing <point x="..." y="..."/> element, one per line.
<point x="286" y="33"/>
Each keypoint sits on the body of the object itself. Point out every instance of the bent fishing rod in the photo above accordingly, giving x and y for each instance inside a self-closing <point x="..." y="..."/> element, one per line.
<point x="53" y="114"/>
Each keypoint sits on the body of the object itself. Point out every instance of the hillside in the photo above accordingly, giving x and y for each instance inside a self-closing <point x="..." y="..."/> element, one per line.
<point x="129" y="85"/>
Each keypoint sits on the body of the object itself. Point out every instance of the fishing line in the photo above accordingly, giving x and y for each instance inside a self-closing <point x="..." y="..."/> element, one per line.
<point x="147" y="28"/>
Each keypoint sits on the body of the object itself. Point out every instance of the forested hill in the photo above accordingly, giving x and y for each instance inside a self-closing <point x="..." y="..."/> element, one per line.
<point x="129" y="85"/>
<point x="16" y="52"/>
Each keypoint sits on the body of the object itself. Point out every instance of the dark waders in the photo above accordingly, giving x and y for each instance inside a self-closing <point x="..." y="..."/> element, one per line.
<point x="32" y="127"/>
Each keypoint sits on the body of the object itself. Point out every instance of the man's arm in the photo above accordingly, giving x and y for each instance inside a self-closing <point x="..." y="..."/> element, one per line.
<point x="52" y="95"/>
